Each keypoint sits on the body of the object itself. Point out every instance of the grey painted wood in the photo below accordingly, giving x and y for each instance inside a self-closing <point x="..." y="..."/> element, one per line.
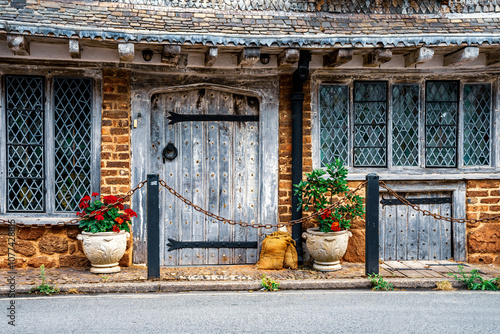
<point x="252" y="186"/>
<point x="390" y="239"/>
<point x="401" y="232"/>
<point x="239" y="177"/>
<point x="423" y="237"/>
<point x="445" y="240"/>
<point x="198" y="177"/>
<point x="434" y="232"/>
<point x="412" y="234"/>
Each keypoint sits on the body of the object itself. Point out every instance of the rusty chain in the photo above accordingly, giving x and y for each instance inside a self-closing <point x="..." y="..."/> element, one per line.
<point x="75" y="221"/>
<point x="434" y="215"/>
<point x="256" y="225"/>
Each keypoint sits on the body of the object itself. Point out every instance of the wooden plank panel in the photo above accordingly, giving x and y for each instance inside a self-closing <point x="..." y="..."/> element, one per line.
<point x="412" y="234"/>
<point x="186" y="189"/>
<point x="393" y="272"/>
<point x="403" y="268"/>
<point x="434" y="232"/>
<point x="390" y="233"/>
<point x="401" y="231"/>
<point x="239" y="189"/>
<point x="252" y="189"/>
<point x="445" y="227"/>
<point x="212" y="159"/>
<point x="423" y="234"/>
<point x="200" y="254"/>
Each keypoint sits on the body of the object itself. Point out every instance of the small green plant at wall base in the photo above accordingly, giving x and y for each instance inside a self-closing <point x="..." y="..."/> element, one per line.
<point x="269" y="284"/>
<point x="318" y="191"/>
<point x="474" y="281"/>
<point x="44" y="288"/>
<point x="378" y="283"/>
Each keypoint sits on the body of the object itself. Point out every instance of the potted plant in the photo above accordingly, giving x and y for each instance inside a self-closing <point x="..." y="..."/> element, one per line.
<point x="105" y="231"/>
<point x="327" y="243"/>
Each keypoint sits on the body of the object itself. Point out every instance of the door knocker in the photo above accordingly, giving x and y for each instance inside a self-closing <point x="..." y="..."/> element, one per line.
<point x="169" y="152"/>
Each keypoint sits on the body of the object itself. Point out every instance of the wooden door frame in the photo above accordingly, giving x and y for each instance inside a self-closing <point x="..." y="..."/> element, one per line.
<point x="263" y="87"/>
<point x="458" y="190"/>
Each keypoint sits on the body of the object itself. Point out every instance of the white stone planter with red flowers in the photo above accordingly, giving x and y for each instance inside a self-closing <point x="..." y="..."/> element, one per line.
<point x="106" y="228"/>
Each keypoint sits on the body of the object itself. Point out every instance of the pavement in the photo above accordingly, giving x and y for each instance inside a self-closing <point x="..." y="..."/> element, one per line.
<point x="227" y="278"/>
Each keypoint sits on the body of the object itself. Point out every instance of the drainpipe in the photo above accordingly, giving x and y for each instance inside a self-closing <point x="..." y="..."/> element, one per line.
<point x="297" y="97"/>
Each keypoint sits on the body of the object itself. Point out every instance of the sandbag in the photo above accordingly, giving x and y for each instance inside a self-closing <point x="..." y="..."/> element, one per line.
<point x="278" y="251"/>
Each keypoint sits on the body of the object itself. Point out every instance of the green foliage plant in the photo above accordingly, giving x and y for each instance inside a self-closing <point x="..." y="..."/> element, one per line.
<point x="108" y="215"/>
<point x="378" y="283"/>
<point x="474" y="281"/>
<point x="269" y="284"/>
<point x="44" y="288"/>
<point x="317" y="192"/>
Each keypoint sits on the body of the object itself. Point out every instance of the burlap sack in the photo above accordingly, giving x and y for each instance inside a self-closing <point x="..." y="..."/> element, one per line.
<point x="278" y="251"/>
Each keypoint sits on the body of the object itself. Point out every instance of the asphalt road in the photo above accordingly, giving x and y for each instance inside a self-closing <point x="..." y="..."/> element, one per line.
<point x="259" y="312"/>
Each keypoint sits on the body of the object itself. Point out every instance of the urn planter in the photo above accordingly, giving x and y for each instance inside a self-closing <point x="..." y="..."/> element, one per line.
<point x="326" y="248"/>
<point x="104" y="250"/>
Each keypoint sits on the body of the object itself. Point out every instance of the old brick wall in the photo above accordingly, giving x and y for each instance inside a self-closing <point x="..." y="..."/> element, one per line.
<point x="483" y="238"/>
<point x="57" y="246"/>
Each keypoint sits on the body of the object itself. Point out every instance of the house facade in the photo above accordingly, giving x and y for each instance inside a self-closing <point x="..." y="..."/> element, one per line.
<point x="96" y="95"/>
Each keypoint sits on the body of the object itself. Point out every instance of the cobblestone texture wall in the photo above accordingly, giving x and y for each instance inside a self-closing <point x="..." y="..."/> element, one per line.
<point x="483" y="239"/>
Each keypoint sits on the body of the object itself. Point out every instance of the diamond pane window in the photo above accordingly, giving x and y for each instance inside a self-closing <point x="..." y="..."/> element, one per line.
<point x="72" y="110"/>
<point x="441" y="122"/>
<point x="370" y="124"/>
<point x="477" y="123"/>
<point x="25" y="143"/>
<point x="405" y="112"/>
<point x="334" y="132"/>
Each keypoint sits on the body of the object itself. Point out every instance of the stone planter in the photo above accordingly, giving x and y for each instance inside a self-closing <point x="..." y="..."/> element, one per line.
<point x="326" y="248"/>
<point x="104" y="250"/>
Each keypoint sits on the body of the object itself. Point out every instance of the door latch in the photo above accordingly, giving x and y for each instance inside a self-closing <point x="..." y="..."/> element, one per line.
<point x="169" y="152"/>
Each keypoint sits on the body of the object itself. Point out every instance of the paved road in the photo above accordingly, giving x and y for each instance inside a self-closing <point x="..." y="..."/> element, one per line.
<point x="260" y="312"/>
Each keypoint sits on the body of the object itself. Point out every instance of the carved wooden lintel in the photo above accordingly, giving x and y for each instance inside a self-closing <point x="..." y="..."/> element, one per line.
<point x="462" y="56"/>
<point x="126" y="51"/>
<point x="337" y="58"/>
<point x="74" y="49"/>
<point x="418" y="56"/>
<point x="211" y="56"/>
<point x="377" y="57"/>
<point x="249" y="56"/>
<point x="171" y="54"/>
<point x="19" y="45"/>
<point x="493" y="58"/>
<point x="288" y="57"/>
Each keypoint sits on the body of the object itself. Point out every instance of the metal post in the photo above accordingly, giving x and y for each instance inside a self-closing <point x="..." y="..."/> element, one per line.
<point x="372" y="221"/>
<point x="153" y="229"/>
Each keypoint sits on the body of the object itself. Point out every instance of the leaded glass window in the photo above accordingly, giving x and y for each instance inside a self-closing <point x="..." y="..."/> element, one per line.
<point x="370" y="124"/>
<point x="25" y="143"/>
<point x="334" y="114"/>
<point x="477" y="123"/>
<point x="405" y="120"/>
<point x="72" y="111"/>
<point x="441" y="122"/>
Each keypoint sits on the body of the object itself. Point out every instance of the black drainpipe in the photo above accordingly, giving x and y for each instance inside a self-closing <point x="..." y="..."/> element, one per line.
<point x="299" y="77"/>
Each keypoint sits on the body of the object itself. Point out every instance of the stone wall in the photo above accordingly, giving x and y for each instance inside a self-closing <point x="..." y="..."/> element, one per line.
<point x="483" y="239"/>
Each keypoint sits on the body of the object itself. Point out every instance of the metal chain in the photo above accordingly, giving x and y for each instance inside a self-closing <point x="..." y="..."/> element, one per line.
<point x="256" y="225"/>
<point x="75" y="221"/>
<point x="434" y="215"/>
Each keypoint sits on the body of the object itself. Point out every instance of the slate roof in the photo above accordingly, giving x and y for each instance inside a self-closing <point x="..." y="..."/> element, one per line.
<point x="141" y="23"/>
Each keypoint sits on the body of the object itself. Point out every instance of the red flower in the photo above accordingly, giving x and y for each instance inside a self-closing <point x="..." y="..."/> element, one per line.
<point x="99" y="217"/>
<point x="116" y="228"/>
<point x="125" y="218"/>
<point x="131" y="212"/>
<point x="110" y="199"/>
<point x="85" y="199"/>
<point x="119" y="206"/>
<point x="335" y="227"/>
<point x="83" y="205"/>
<point x="95" y="194"/>
<point x="326" y="214"/>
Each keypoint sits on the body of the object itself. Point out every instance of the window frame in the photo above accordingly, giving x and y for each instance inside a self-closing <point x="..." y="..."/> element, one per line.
<point x="48" y="76"/>
<point x="411" y="172"/>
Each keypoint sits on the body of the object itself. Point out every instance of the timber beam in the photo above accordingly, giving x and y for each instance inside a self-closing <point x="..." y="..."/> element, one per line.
<point x="19" y="45"/>
<point x="126" y="51"/>
<point x="74" y="49"/>
<point x="288" y="57"/>
<point x="249" y="56"/>
<point x="461" y="57"/>
<point x="171" y="54"/>
<point x="211" y="56"/>
<point x="377" y="57"/>
<point x="337" y="58"/>
<point x="493" y="58"/>
<point x="418" y="56"/>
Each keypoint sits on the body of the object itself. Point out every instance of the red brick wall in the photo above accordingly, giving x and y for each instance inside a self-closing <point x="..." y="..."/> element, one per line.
<point x="483" y="238"/>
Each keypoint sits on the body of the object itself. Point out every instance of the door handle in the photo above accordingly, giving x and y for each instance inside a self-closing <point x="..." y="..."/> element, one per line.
<point x="169" y="152"/>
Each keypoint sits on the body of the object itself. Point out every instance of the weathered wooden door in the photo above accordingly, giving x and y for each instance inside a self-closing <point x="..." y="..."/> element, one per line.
<point x="215" y="134"/>
<point x="406" y="234"/>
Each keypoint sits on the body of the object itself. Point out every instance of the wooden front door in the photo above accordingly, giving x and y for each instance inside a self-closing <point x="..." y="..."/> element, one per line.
<point x="216" y="137"/>
<point x="406" y="234"/>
